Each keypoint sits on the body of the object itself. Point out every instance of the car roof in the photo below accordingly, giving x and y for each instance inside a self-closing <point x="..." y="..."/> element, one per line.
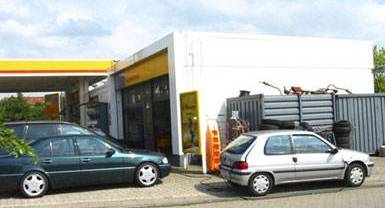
<point x="272" y="132"/>
<point x="37" y="122"/>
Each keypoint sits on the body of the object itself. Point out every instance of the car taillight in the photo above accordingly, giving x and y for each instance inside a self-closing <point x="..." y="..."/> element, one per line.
<point x="240" y="165"/>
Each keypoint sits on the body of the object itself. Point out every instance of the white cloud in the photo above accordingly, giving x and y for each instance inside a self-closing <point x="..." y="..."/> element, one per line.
<point x="116" y="29"/>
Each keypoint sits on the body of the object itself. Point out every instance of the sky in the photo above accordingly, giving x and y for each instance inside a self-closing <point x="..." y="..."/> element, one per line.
<point x="114" y="29"/>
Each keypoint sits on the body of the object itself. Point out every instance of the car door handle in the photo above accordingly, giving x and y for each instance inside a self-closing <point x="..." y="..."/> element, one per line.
<point x="295" y="159"/>
<point x="85" y="160"/>
<point x="47" y="161"/>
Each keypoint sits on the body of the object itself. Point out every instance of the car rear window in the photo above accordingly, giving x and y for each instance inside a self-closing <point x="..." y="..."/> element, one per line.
<point x="18" y="130"/>
<point x="41" y="130"/>
<point x="240" y="144"/>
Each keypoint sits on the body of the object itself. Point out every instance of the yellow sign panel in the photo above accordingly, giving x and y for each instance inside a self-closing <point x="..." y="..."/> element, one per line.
<point x="189" y="105"/>
<point x="54" y="66"/>
<point x="152" y="67"/>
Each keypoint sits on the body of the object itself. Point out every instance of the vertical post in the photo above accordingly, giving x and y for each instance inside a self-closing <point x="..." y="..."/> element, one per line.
<point x="113" y="110"/>
<point x="300" y="107"/>
<point x="83" y="100"/>
<point x="66" y="107"/>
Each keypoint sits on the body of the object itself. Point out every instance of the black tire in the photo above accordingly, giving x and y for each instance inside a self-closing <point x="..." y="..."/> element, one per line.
<point x="306" y="126"/>
<point x="342" y="130"/>
<point x="23" y="187"/>
<point x="342" y="123"/>
<point x="139" y="174"/>
<point x="343" y="140"/>
<point x="272" y="122"/>
<point x="264" y="177"/>
<point x="355" y="168"/>
<point x="288" y="125"/>
<point x="268" y="127"/>
<point x="344" y="146"/>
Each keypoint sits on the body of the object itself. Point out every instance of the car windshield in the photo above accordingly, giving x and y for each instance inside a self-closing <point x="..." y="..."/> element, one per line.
<point x="113" y="142"/>
<point x="240" y="145"/>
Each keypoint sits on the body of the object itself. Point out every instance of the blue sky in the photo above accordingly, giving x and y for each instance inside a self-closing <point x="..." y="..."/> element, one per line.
<point x="117" y="28"/>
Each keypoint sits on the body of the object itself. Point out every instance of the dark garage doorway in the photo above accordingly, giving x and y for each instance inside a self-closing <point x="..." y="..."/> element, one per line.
<point x="146" y="115"/>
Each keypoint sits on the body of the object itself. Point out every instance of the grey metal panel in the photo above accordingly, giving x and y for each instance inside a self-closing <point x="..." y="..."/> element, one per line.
<point x="317" y="110"/>
<point x="366" y="113"/>
<point x="249" y="108"/>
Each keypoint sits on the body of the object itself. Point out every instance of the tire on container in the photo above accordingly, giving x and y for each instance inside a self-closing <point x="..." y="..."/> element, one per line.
<point x="272" y="122"/>
<point x="342" y="123"/>
<point x="268" y="127"/>
<point x="288" y="125"/>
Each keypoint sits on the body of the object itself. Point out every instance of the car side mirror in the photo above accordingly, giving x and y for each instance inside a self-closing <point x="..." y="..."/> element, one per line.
<point x="110" y="152"/>
<point x="333" y="151"/>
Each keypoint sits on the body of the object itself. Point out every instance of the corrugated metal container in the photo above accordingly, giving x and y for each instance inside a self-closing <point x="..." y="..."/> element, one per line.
<point x="366" y="112"/>
<point x="317" y="110"/>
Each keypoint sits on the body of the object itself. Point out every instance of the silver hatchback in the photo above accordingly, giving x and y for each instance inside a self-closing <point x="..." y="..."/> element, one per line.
<point x="263" y="159"/>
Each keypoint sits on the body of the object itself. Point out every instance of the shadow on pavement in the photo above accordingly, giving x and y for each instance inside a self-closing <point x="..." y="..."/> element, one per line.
<point x="17" y="195"/>
<point x="224" y="190"/>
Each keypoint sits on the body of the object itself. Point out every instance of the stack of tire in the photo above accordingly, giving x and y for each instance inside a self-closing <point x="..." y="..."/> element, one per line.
<point x="342" y="130"/>
<point x="271" y="124"/>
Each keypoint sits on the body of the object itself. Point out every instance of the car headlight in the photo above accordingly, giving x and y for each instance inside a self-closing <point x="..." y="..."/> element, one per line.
<point x="165" y="160"/>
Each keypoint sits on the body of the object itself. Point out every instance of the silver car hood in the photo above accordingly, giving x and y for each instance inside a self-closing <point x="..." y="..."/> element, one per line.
<point x="351" y="155"/>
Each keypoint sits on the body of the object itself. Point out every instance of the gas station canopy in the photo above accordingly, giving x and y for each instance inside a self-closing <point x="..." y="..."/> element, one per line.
<point x="40" y="75"/>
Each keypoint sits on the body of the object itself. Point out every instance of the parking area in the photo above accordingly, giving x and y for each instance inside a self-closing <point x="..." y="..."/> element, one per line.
<point x="178" y="189"/>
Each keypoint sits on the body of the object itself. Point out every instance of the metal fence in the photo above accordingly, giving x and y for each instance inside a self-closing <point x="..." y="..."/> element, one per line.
<point x="367" y="115"/>
<point x="365" y="112"/>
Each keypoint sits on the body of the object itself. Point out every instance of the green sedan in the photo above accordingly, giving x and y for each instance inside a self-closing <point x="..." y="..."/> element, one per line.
<point x="80" y="160"/>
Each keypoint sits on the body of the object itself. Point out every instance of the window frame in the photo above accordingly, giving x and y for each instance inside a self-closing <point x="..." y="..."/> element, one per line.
<point x="27" y="128"/>
<point x="292" y="152"/>
<point x="73" y="147"/>
<point x="92" y="137"/>
<point x="76" y="153"/>
<point x="295" y="150"/>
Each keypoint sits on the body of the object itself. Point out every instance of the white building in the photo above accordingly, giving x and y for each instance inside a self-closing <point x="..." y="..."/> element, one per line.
<point x="145" y="89"/>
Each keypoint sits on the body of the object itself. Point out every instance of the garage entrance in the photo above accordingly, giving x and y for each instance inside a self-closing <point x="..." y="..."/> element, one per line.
<point x="146" y="110"/>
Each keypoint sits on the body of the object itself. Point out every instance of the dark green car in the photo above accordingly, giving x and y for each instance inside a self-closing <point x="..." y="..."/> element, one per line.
<point x="80" y="160"/>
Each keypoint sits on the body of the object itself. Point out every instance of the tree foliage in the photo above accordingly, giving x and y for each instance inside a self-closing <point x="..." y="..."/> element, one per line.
<point x="18" y="109"/>
<point x="13" y="145"/>
<point x="379" y="69"/>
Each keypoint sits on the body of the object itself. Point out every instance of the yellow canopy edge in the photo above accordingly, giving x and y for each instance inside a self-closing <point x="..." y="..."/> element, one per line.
<point x="47" y="66"/>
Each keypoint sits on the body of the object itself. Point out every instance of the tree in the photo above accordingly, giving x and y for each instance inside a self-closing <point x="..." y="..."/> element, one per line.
<point x="18" y="109"/>
<point x="14" y="145"/>
<point x="379" y="69"/>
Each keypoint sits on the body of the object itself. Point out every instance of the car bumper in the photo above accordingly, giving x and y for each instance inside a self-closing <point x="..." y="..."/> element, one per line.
<point x="369" y="167"/>
<point x="235" y="176"/>
<point x="164" y="170"/>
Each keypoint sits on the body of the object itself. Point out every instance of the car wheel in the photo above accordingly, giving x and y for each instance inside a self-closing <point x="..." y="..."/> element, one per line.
<point x="34" y="184"/>
<point x="147" y="175"/>
<point x="355" y="175"/>
<point x="260" y="184"/>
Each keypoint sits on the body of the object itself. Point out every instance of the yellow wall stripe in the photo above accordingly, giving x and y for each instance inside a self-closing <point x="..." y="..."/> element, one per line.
<point x="147" y="69"/>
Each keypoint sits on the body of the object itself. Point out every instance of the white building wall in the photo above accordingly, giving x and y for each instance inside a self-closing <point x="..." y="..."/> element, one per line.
<point x="219" y="65"/>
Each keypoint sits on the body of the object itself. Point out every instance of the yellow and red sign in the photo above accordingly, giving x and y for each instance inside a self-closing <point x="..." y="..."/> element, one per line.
<point x="147" y="69"/>
<point x="189" y="106"/>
